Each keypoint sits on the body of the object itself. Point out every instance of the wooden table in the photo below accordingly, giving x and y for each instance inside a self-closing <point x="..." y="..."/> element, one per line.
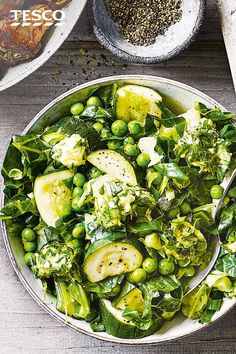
<point x="24" y="326"/>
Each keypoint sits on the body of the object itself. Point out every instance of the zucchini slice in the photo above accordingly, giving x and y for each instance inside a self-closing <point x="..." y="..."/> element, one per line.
<point x="114" y="164"/>
<point x="133" y="299"/>
<point x="116" y="325"/>
<point x="134" y="102"/>
<point x="50" y="192"/>
<point x="111" y="259"/>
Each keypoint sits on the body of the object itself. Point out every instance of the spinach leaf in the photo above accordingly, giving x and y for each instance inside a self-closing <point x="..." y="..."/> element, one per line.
<point x="18" y="205"/>
<point x="162" y="284"/>
<point x="107" y="94"/>
<point x="195" y="302"/>
<point x="104" y="289"/>
<point x="171" y="302"/>
<point x="227" y="265"/>
<point x="75" y="125"/>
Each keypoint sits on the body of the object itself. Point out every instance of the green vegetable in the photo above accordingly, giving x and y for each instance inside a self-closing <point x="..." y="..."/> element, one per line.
<point x="78" y="231"/>
<point x="117" y="325"/>
<point x="50" y="191"/>
<point x="79" y="180"/>
<point x="114" y="144"/>
<point x="131" y="150"/>
<point x="143" y="159"/>
<point x="119" y="128"/>
<point x="195" y="302"/>
<point x="135" y="102"/>
<point x="129" y="140"/>
<point x="29" y="259"/>
<point x="171" y="214"/>
<point x="94" y="101"/>
<point x="185" y="208"/>
<point x="111" y="259"/>
<point x="28" y="234"/>
<point x="72" y="300"/>
<point x="137" y="276"/>
<point x="134" y="128"/>
<point x="54" y="259"/>
<point x="223" y="284"/>
<point x="98" y="126"/>
<point x="166" y="266"/>
<point x="77" y="192"/>
<point x="149" y="265"/>
<point x="77" y="108"/>
<point x="114" y="164"/>
<point x="216" y="191"/>
<point x="30" y="246"/>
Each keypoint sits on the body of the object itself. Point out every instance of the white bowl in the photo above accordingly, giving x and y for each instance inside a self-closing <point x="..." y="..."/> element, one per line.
<point x="56" y="37"/>
<point x="179" y="326"/>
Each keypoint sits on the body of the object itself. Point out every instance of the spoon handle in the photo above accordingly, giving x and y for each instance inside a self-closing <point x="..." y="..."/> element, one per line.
<point x="227" y="14"/>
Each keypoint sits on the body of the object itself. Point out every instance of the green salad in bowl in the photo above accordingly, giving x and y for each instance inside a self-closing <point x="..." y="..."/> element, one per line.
<point x="113" y="207"/>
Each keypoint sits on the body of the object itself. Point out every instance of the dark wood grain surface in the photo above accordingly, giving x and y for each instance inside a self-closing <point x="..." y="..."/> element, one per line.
<point x="24" y="326"/>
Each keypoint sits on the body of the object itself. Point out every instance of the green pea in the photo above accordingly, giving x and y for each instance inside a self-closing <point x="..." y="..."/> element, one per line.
<point x="119" y="128"/>
<point x="185" y="207"/>
<point x="166" y="266"/>
<point x="78" y="231"/>
<point x="143" y="159"/>
<point x="29" y="259"/>
<point x="223" y="284"/>
<point x="184" y="262"/>
<point x="216" y="191"/>
<point x="30" y="246"/>
<point x="77" y="108"/>
<point x="74" y="204"/>
<point x="94" y="101"/>
<point x="114" y="144"/>
<point x="74" y="244"/>
<point x="189" y="271"/>
<point x="77" y="192"/>
<point x="171" y="214"/>
<point x="134" y="127"/>
<point x="129" y="140"/>
<point x="85" y="186"/>
<point x="137" y="276"/>
<point x="28" y="234"/>
<point x="131" y="150"/>
<point x="64" y="210"/>
<point x="94" y="173"/>
<point x="79" y="180"/>
<point x="153" y="241"/>
<point x="98" y="126"/>
<point x="149" y="265"/>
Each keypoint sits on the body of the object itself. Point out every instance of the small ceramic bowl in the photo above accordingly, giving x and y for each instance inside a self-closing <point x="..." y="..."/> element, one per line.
<point x="176" y="39"/>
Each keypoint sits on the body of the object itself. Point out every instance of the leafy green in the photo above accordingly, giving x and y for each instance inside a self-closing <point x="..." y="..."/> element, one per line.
<point x="195" y="302"/>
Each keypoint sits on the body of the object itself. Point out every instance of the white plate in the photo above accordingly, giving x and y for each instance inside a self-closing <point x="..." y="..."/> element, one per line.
<point x="180" y="326"/>
<point x="57" y="37"/>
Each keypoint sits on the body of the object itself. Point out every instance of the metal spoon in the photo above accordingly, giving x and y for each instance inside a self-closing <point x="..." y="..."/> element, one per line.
<point x="215" y="240"/>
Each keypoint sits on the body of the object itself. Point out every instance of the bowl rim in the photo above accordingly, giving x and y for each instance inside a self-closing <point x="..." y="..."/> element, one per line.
<point x="125" y="55"/>
<point x="41" y="303"/>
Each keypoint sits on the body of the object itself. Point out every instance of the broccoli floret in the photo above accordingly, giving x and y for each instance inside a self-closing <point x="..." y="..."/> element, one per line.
<point x="53" y="259"/>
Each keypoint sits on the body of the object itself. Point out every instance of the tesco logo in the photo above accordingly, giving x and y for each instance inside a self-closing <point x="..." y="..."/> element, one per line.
<point x="37" y="17"/>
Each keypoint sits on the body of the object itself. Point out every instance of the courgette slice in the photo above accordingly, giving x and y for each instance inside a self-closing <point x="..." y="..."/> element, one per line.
<point x="110" y="259"/>
<point x="130" y="297"/>
<point x="114" y="164"/>
<point x="134" y="102"/>
<point x="50" y="192"/>
<point x="52" y="138"/>
<point x="116" y="325"/>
